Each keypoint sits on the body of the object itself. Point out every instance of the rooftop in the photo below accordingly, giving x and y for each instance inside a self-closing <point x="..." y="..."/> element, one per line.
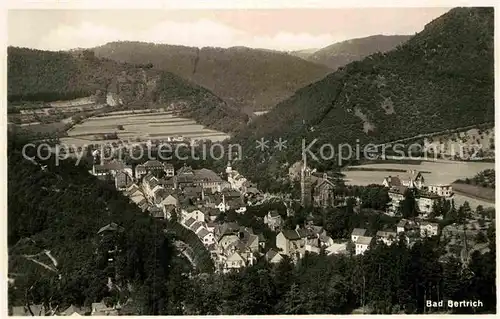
<point x="358" y="232"/>
<point x="364" y="240"/>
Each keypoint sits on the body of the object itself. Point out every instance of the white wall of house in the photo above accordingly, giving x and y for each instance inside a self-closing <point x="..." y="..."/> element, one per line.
<point x="282" y="243"/>
<point x="361" y="248"/>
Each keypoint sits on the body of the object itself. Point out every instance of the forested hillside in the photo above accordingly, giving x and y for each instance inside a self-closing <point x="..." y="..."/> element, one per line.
<point x="248" y="79"/>
<point x="342" y="53"/>
<point x="35" y="75"/>
<point x="60" y="210"/>
<point x="442" y="78"/>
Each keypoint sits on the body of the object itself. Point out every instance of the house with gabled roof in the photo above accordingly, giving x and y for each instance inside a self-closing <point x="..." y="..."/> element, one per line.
<point x="154" y="166"/>
<point x="387" y="237"/>
<point x="391" y="181"/>
<point x="37" y="310"/>
<point x="323" y="193"/>
<point x="206" y="237"/>
<point x="362" y="244"/>
<point x="101" y="309"/>
<point x="211" y="226"/>
<point x="292" y="242"/>
<point x="189" y="222"/>
<point x="397" y="195"/>
<point x="168" y="210"/>
<point x="410" y="179"/>
<point x="273" y="220"/>
<point x="140" y="171"/>
<point x="197" y="225"/>
<point x="168" y="169"/>
<point x="168" y="182"/>
<point x="122" y="180"/>
<point x="156" y="212"/>
<point x="75" y="311"/>
<point x="171" y="199"/>
<point x="337" y="249"/>
<point x="193" y="212"/>
<point x="273" y="256"/>
<point x="356" y="233"/>
<point x="131" y="190"/>
<point x="234" y="262"/>
<point x="428" y="229"/>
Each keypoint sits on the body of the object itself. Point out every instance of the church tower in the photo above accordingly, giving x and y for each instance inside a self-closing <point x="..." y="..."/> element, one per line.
<point x="305" y="183"/>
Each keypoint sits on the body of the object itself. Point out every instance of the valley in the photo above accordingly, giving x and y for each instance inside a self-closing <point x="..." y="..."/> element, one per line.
<point x="109" y="225"/>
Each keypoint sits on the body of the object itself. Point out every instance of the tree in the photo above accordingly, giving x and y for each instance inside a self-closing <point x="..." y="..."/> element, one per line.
<point x="481" y="237"/>
<point x="408" y="207"/>
<point x="351" y="248"/>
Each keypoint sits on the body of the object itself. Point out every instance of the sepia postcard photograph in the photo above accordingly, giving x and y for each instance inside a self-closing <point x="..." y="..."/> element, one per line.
<point x="313" y="160"/>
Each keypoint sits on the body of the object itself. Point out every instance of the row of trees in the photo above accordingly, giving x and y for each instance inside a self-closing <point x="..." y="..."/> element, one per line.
<point x="394" y="279"/>
<point x="485" y="178"/>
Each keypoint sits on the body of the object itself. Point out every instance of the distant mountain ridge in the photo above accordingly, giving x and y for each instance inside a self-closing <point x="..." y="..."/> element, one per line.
<point x="35" y="75"/>
<point x="442" y="78"/>
<point x="341" y="53"/>
<point x="247" y="79"/>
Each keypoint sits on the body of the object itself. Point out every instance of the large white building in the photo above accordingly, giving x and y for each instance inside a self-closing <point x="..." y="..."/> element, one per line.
<point x="440" y="190"/>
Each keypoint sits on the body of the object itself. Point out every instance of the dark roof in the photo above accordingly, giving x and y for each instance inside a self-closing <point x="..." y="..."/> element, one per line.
<point x="428" y="195"/>
<point x="394" y="181"/>
<point x="184" y="179"/>
<point x="325" y="182"/>
<point x="382" y="233"/>
<point x="211" y="224"/>
<point x="291" y="234"/>
<point x="196" y="225"/>
<point x="185" y="170"/>
<point x="153" y="163"/>
<point x="398" y="189"/>
<point x="274" y="214"/>
<point x="231" y="193"/>
<point x="402" y="223"/>
<point x="190" y="222"/>
<point x="302" y="232"/>
<point x="157" y="213"/>
<point x="169" y="208"/>
<point x="206" y="175"/>
<point x="202" y="232"/>
<point x="114" y="165"/>
<point x="167" y="181"/>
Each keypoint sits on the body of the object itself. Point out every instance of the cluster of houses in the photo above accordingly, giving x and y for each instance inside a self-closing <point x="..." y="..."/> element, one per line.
<point x="230" y="245"/>
<point x="96" y="309"/>
<point x="156" y="187"/>
<point x="411" y="230"/>
<point x="427" y="195"/>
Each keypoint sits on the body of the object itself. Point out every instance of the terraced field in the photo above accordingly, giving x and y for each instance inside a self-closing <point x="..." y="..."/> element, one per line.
<point x="145" y="125"/>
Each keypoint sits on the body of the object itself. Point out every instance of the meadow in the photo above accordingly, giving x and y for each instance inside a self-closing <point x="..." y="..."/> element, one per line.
<point x="144" y="125"/>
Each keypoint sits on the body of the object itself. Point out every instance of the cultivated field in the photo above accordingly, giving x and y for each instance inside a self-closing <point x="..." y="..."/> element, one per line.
<point x="439" y="173"/>
<point x="144" y="125"/>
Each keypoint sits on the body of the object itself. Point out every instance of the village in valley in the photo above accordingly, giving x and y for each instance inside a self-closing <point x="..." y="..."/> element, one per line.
<point x="201" y="199"/>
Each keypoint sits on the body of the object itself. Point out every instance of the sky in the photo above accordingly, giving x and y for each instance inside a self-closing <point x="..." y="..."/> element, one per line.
<point x="278" y="29"/>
